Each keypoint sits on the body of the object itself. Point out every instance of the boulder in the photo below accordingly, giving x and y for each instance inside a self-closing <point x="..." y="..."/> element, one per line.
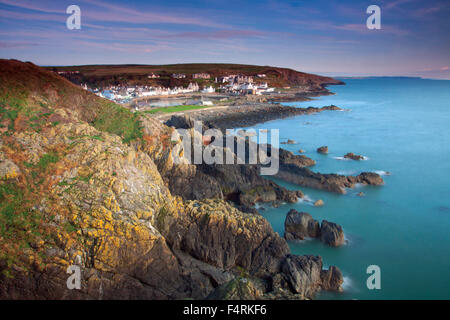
<point x="301" y="151"/>
<point x="331" y="234"/>
<point x="323" y="150"/>
<point x="370" y="178"/>
<point x="318" y="203"/>
<point x="299" y="225"/>
<point x="289" y="142"/>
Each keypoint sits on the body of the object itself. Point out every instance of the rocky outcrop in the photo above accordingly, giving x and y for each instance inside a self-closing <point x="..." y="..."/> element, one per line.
<point x="240" y="288"/>
<point x="353" y="156"/>
<point x="243" y="115"/>
<point x="328" y="182"/>
<point x="331" y="234"/>
<point x="241" y="184"/>
<point x="304" y="275"/>
<point x="287" y="157"/>
<point x="289" y="141"/>
<point x="94" y="186"/>
<point x="301" y="225"/>
<point x="323" y="150"/>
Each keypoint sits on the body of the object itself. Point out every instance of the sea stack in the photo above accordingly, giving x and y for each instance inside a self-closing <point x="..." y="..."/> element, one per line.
<point x="323" y="150"/>
<point x="301" y="225"/>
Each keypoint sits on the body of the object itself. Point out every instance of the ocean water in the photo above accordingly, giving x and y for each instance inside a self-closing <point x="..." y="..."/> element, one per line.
<point x="402" y="125"/>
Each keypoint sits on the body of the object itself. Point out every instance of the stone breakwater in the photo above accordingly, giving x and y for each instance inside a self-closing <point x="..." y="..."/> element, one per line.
<point x="244" y="115"/>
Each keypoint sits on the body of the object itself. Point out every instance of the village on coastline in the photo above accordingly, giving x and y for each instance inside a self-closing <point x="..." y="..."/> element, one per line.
<point x="228" y="84"/>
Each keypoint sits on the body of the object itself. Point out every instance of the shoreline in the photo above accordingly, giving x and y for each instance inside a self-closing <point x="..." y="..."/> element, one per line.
<point x="248" y="111"/>
<point x="230" y="117"/>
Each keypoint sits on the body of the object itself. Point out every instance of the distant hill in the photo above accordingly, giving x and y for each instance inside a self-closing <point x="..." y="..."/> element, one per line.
<point x="101" y="75"/>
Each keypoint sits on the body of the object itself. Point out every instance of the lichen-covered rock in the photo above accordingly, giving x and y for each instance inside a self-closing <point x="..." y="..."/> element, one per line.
<point x="217" y="233"/>
<point x="8" y="169"/>
<point x="240" y="288"/>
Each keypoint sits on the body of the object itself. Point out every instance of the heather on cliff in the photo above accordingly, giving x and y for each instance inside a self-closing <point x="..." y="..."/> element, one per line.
<point x="86" y="182"/>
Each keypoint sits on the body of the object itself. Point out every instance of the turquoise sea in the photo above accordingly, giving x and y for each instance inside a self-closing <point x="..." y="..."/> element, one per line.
<point x="403" y="126"/>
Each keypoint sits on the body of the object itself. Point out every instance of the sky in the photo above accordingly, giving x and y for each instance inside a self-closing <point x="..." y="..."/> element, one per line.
<point x="323" y="37"/>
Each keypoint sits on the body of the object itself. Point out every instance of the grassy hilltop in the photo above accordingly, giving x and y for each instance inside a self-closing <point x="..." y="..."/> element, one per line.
<point x="100" y="75"/>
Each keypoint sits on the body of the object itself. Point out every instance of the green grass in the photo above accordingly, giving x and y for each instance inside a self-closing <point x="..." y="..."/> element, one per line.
<point x="175" y="109"/>
<point x="19" y="226"/>
<point x="118" y="120"/>
<point x="46" y="160"/>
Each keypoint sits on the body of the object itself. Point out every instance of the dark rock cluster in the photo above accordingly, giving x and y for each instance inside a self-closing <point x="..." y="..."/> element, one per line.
<point x="301" y="225"/>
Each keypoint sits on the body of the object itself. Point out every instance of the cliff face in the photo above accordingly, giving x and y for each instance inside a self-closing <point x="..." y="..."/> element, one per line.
<point x="85" y="182"/>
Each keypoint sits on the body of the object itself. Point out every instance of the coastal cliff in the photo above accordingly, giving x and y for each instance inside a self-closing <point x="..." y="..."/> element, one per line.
<point x="85" y="182"/>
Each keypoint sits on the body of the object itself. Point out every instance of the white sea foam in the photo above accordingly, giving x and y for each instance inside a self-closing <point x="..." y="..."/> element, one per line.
<point x="347" y="172"/>
<point x="341" y="158"/>
<point x="306" y="200"/>
<point x="347" y="284"/>
<point x="382" y="173"/>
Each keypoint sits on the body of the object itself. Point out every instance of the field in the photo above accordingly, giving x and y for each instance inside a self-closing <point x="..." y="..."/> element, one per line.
<point x="106" y="75"/>
<point x="175" y="109"/>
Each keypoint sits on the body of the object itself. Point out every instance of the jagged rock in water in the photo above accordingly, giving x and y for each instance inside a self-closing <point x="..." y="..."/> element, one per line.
<point x="353" y="156"/>
<point x="305" y="276"/>
<point x="323" y="150"/>
<point x="332" y="279"/>
<point x="331" y="234"/>
<point x="328" y="182"/>
<point x="299" y="225"/>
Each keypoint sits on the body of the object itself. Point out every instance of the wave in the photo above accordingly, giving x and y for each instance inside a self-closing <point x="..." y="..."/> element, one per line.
<point x="306" y="200"/>
<point x="341" y="158"/>
<point x="347" y="172"/>
<point x="347" y="159"/>
<point x="347" y="284"/>
<point x="382" y="173"/>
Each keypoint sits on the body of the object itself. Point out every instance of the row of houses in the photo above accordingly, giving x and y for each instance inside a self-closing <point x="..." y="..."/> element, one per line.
<point x="201" y="75"/>
<point x="234" y="79"/>
<point x="122" y="94"/>
<point x="246" y="88"/>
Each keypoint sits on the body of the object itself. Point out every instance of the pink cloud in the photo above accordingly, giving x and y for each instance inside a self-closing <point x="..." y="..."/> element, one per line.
<point x="114" y="13"/>
<point x="362" y="28"/>
<point x="221" y="34"/>
<point x="16" y="44"/>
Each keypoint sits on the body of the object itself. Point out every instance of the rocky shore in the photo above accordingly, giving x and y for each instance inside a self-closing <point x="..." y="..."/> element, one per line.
<point x="87" y="184"/>
<point x="245" y="115"/>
